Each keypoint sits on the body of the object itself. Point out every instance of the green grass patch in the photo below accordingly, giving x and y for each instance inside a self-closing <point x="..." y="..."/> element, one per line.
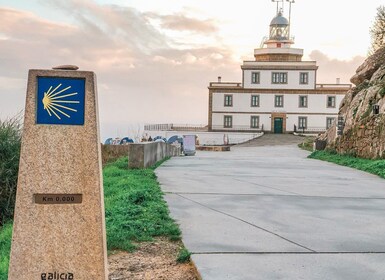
<point x="376" y="167"/>
<point x="307" y="144"/>
<point x="135" y="211"/>
<point x="183" y="256"/>
<point x="5" y="249"/>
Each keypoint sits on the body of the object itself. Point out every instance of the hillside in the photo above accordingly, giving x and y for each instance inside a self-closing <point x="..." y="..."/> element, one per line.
<point x="364" y="132"/>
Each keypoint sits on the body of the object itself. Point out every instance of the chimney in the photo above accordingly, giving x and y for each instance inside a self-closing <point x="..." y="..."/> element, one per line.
<point x="219" y="79"/>
<point x="338" y="80"/>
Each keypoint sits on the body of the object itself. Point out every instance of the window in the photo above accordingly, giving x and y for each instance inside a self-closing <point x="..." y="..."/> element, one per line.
<point x="255" y="78"/>
<point x="330" y="122"/>
<point x="303" y="101"/>
<point x="228" y="121"/>
<point x="278" y="101"/>
<point x="279" y="78"/>
<point x="228" y="100"/>
<point x="304" y="78"/>
<point x="331" y="101"/>
<point x="255" y="101"/>
<point x="254" y="122"/>
<point x="302" y="122"/>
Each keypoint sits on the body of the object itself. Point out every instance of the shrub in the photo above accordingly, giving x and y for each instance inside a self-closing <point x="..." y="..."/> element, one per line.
<point x="10" y="138"/>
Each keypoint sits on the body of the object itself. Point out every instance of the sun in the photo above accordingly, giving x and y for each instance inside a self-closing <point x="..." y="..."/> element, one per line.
<point x="53" y="104"/>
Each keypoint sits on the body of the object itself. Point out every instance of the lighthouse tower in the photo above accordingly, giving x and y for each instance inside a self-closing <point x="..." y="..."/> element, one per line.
<point x="278" y="92"/>
<point x="277" y="47"/>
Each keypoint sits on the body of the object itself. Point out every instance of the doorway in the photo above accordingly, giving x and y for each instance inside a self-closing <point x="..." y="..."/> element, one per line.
<point x="278" y="125"/>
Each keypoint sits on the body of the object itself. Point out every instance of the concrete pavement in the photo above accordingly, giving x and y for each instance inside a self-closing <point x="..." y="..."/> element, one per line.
<point x="268" y="212"/>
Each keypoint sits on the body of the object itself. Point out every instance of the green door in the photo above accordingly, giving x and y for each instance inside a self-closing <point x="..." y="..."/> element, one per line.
<point x="278" y="125"/>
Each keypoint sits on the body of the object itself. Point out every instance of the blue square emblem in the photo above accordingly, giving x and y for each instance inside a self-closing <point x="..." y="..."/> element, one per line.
<point x="60" y="101"/>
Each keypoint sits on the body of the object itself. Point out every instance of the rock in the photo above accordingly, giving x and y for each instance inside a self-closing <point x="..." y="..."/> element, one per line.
<point x="370" y="65"/>
<point x="364" y="132"/>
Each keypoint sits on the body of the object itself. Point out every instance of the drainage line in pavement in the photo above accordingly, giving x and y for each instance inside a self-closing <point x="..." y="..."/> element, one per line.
<point x="246" y="222"/>
<point x="284" y="253"/>
<point x="267" y="187"/>
<point x="284" y="195"/>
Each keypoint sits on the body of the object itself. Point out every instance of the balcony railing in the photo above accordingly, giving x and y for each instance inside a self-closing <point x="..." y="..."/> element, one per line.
<point x="175" y="127"/>
<point x="245" y="128"/>
<point x="309" y="130"/>
<point x="225" y="84"/>
<point x="331" y="86"/>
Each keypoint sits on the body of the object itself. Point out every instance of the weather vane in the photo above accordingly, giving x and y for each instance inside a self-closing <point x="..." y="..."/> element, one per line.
<point x="278" y="1"/>
<point x="290" y="2"/>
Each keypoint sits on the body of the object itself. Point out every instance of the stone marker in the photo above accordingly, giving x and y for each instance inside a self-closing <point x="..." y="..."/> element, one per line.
<point x="59" y="226"/>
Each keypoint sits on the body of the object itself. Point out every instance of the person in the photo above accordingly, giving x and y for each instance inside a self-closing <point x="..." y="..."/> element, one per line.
<point x="149" y="139"/>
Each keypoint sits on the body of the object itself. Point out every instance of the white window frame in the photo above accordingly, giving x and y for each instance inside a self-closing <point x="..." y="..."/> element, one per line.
<point x="334" y="98"/>
<point x="300" y="122"/>
<point x="256" y="104"/>
<point x="227" y="121"/>
<point x="304" y="78"/>
<point x="228" y="102"/>
<point x="331" y="120"/>
<point x="255" y="77"/>
<point x="280" y="104"/>
<point x="254" y="121"/>
<point x="299" y="101"/>
<point x="279" y="77"/>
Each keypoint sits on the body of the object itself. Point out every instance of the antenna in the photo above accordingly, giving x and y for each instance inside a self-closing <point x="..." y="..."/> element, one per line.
<point x="278" y="4"/>
<point x="290" y="2"/>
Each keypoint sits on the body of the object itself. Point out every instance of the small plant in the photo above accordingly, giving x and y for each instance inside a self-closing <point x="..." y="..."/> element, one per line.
<point x="10" y="142"/>
<point x="184" y="256"/>
<point x="5" y="249"/>
<point x="382" y="92"/>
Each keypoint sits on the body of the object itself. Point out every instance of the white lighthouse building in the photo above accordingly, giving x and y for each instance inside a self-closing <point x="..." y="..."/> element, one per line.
<point x="278" y="92"/>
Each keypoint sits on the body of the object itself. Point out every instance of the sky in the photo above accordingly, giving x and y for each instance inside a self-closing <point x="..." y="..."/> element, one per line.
<point x="155" y="58"/>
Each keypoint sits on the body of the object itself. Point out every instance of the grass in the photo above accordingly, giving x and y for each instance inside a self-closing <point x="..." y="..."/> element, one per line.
<point x="376" y="167"/>
<point x="307" y="144"/>
<point x="5" y="249"/>
<point x="135" y="211"/>
<point x="183" y="256"/>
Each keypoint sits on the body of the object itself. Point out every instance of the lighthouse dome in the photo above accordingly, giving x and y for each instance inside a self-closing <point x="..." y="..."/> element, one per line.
<point x="279" y="20"/>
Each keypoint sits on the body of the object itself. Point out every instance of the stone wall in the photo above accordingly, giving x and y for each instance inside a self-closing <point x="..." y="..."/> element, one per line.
<point x="144" y="155"/>
<point x="365" y="139"/>
<point x="111" y="153"/>
<point x="364" y="132"/>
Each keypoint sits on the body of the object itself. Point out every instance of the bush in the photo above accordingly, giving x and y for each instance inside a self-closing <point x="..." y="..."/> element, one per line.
<point x="183" y="256"/>
<point x="10" y="139"/>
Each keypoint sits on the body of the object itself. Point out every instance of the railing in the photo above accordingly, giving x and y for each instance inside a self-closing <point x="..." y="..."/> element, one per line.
<point x="175" y="127"/>
<point x="333" y="86"/>
<point x="225" y="84"/>
<point x="244" y="128"/>
<point x="309" y="130"/>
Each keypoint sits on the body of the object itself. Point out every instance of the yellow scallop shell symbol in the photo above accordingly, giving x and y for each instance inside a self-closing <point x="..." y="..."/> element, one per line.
<point x="54" y="105"/>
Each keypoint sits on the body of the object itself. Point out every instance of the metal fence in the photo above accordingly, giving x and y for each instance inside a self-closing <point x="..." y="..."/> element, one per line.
<point x="309" y="130"/>
<point x="175" y="127"/>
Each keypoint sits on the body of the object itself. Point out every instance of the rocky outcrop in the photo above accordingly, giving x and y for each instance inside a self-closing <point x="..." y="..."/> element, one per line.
<point x="367" y="69"/>
<point x="364" y="132"/>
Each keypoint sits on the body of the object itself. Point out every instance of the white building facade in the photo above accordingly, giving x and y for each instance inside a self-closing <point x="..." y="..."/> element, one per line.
<point x="278" y="93"/>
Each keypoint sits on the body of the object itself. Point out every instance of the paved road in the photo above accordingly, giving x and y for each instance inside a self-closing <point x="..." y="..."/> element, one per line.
<point x="268" y="212"/>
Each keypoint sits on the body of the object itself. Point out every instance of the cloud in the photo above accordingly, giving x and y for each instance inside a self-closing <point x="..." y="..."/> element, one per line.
<point x="180" y="22"/>
<point x="330" y="69"/>
<point x="142" y="78"/>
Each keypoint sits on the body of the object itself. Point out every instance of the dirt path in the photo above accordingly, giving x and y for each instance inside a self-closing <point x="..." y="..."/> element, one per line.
<point x="152" y="260"/>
